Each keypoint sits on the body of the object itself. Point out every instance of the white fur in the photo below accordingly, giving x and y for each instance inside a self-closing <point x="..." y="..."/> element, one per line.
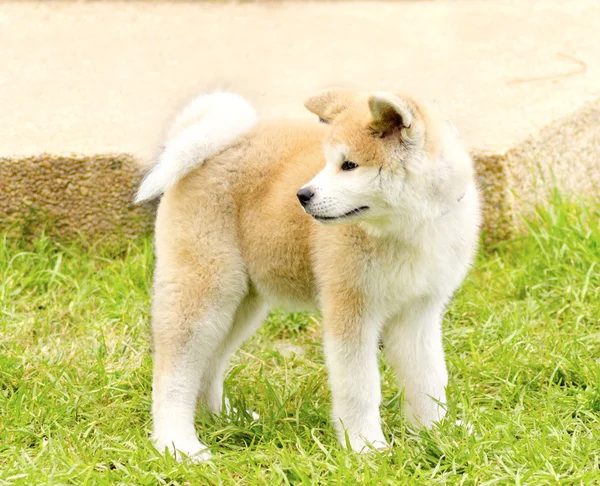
<point x="428" y="219"/>
<point x="424" y="221"/>
<point x="413" y="345"/>
<point x="208" y="125"/>
<point x="200" y="372"/>
<point x="355" y="387"/>
<point x="338" y="192"/>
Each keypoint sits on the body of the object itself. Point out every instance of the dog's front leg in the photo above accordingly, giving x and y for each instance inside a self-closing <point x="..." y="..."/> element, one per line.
<point x="351" y="346"/>
<point x="413" y="344"/>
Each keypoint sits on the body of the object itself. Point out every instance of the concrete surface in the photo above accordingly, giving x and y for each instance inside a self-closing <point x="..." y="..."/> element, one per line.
<point x="83" y="80"/>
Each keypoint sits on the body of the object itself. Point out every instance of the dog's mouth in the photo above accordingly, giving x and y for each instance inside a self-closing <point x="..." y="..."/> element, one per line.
<point x="340" y="217"/>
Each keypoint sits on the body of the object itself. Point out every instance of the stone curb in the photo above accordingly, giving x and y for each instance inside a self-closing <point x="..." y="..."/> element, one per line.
<point x="73" y="197"/>
<point x="563" y="156"/>
<point x="91" y="197"/>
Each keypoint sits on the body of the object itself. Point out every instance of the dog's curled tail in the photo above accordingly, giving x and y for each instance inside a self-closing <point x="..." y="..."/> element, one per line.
<point x="209" y="124"/>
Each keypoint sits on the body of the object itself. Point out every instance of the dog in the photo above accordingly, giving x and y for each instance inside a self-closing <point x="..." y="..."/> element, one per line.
<point x="372" y="217"/>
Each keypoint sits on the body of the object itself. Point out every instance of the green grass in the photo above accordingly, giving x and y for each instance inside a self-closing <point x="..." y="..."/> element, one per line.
<point x="523" y="348"/>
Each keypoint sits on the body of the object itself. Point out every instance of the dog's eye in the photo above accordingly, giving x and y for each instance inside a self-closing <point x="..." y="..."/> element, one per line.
<point x="322" y="120"/>
<point x="348" y="165"/>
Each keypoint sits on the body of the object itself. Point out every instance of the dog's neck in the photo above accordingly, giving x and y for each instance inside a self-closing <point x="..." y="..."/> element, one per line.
<point x="410" y="227"/>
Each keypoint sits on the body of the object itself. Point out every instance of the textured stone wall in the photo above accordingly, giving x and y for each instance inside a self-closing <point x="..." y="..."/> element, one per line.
<point x="72" y="196"/>
<point x="91" y="197"/>
<point x="565" y="155"/>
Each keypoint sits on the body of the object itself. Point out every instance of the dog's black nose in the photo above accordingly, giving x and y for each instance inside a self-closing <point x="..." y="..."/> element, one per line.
<point x="304" y="196"/>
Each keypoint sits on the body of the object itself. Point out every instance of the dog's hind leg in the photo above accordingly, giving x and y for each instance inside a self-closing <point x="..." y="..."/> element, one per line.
<point x="413" y="344"/>
<point x="249" y="316"/>
<point x="186" y="342"/>
<point x="200" y="282"/>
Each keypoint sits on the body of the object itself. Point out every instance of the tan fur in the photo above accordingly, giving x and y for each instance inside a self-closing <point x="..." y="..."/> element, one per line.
<point x="328" y="104"/>
<point x="258" y="203"/>
<point x="231" y="239"/>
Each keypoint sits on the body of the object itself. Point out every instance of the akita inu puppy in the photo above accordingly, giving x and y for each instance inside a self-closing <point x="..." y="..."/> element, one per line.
<point x="372" y="217"/>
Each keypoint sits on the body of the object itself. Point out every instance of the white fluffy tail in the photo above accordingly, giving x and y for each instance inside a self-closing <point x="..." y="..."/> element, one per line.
<point x="204" y="128"/>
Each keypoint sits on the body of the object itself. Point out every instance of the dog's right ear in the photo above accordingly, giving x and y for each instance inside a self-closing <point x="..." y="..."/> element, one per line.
<point x="330" y="103"/>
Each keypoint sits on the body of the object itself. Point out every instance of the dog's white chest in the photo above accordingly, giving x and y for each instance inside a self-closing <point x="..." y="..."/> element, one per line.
<point x="404" y="275"/>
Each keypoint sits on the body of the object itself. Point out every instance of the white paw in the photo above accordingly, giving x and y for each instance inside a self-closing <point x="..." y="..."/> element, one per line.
<point x="376" y="446"/>
<point x="465" y="425"/>
<point x="229" y="410"/>
<point x="187" y="449"/>
<point x="424" y="417"/>
<point x="366" y="446"/>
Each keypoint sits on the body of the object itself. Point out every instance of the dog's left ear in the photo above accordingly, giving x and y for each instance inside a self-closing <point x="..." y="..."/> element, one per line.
<point x="330" y="103"/>
<point x="391" y="112"/>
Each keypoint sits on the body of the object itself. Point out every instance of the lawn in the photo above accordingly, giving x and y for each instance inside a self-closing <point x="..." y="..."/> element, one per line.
<point x="523" y="348"/>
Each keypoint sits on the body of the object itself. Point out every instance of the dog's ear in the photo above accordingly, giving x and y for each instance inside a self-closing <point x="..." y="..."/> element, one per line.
<point x="330" y="103"/>
<point x="391" y="112"/>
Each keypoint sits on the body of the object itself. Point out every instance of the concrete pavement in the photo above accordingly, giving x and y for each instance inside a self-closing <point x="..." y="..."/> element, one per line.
<point x="88" y="89"/>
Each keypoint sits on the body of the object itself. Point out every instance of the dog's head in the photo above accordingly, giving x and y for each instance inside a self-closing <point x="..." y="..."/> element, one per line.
<point x="380" y="153"/>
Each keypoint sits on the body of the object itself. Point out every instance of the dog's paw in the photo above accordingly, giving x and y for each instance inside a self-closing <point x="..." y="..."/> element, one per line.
<point x="465" y="425"/>
<point x="425" y="416"/>
<point x="362" y="445"/>
<point x="184" y="450"/>
<point x="376" y="446"/>
<point x="229" y="411"/>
